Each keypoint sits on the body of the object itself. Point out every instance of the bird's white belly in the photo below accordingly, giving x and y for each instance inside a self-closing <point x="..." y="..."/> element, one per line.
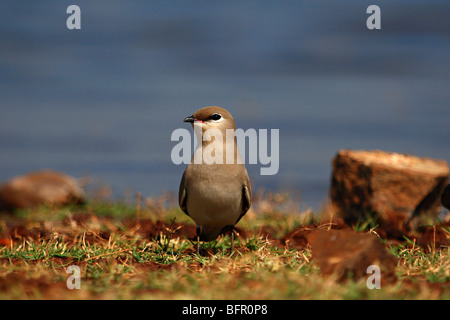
<point x="212" y="208"/>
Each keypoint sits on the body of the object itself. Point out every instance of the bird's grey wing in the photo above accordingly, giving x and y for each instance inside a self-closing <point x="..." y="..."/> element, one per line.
<point x="246" y="198"/>
<point x="182" y="194"/>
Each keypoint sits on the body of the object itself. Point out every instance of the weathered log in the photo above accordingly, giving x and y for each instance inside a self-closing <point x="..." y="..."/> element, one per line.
<point x="393" y="187"/>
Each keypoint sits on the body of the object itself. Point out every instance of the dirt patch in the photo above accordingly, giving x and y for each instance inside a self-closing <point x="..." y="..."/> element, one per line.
<point x="150" y="229"/>
<point x="41" y="287"/>
<point x="18" y="230"/>
<point x="266" y="232"/>
<point x="152" y="266"/>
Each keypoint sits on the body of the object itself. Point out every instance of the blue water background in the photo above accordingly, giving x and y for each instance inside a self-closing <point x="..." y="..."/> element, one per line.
<point x="103" y="101"/>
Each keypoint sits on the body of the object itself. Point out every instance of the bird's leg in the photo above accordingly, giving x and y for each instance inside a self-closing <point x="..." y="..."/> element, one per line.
<point x="198" y="244"/>
<point x="232" y="240"/>
<point x="198" y="231"/>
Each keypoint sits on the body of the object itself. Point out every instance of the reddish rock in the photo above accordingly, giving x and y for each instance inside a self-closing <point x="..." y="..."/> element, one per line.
<point x="347" y="254"/>
<point x="44" y="187"/>
<point x="445" y="198"/>
<point x="392" y="186"/>
<point x="297" y="238"/>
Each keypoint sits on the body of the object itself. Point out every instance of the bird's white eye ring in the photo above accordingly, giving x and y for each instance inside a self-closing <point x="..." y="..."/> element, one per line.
<point x="215" y="117"/>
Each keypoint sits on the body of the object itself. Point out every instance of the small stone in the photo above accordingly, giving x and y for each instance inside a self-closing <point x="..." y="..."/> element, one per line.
<point x="45" y="187"/>
<point x="348" y="254"/>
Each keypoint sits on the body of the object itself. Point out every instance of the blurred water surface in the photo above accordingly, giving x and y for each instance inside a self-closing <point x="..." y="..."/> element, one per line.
<point x="103" y="101"/>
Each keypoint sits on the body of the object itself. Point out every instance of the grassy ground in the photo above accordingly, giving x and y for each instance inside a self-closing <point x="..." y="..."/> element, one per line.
<point x="125" y="252"/>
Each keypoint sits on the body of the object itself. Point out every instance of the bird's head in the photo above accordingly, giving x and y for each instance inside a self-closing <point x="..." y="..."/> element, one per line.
<point x="212" y="118"/>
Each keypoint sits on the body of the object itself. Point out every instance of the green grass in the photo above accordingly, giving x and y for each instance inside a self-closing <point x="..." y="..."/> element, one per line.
<point x="119" y="261"/>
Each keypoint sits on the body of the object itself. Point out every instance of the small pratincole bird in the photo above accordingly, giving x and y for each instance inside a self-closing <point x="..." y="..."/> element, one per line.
<point x="215" y="195"/>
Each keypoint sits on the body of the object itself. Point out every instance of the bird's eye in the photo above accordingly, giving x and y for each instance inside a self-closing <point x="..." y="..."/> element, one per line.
<point x="216" y="116"/>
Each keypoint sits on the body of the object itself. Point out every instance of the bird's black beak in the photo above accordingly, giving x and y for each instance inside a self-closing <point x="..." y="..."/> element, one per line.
<point x="189" y="119"/>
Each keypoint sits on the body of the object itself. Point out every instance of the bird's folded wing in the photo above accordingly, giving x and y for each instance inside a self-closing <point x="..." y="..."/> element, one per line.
<point x="246" y="198"/>
<point x="182" y="194"/>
